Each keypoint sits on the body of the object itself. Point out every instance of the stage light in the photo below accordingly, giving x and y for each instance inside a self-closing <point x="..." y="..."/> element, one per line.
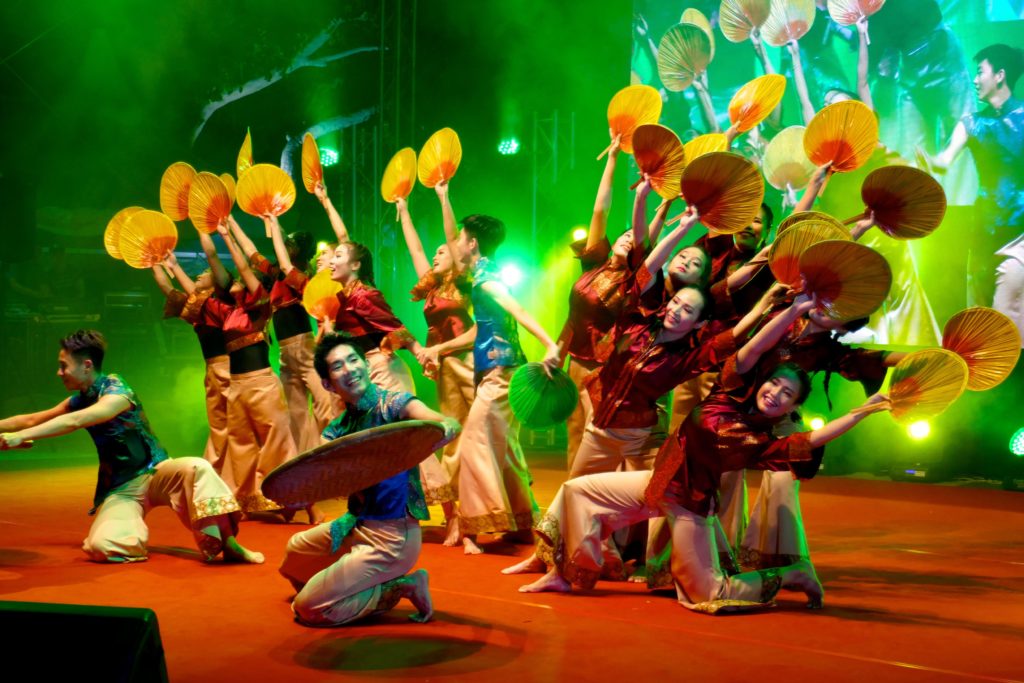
<point x="579" y="234"/>
<point x="328" y="156"/>
<point x="511" y="276"/>
<point x="321" y="247"/>
<point x="1017" y="443"/>
<point x="508" y="147"/>
<point x="919" y="430"/>
<point x="817" y="422"/>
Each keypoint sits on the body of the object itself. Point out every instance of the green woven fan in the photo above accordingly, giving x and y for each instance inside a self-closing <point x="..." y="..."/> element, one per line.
<point x="539" y="401"/>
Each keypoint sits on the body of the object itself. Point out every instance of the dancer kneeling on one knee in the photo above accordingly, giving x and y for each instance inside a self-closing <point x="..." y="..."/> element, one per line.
<point x="723" y="433"/>
<point x="357" y="565"/>
<point x="135" y="472"/>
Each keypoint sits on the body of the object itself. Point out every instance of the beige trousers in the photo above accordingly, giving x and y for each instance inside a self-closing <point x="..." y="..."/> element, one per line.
<point x="390" y="372"/>
<point x="580" y="418"/>
<point x="775" y="536"/>
<point x="189" y="486"/>
<point x="301" y="383"/>
<point x="259" y="438"/>
<point x="216" y="381"/>
<point x="351" y="583"/>
<point x="605" y="450"/>
<point x="494" y="480"/>
<point x="455" y="393"/>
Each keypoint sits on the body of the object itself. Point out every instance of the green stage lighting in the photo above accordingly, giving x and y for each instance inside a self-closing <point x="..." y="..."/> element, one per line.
<point x="919" y="430"/>
<point x="1017" y="443"/>
<point x="817" y="422"/>
<point x="511" y="276"/>
<point x="321" y="247"/>
<point x="578" y="234"/>
<point x="328" y="156"/>
<point x="508" y="147"/>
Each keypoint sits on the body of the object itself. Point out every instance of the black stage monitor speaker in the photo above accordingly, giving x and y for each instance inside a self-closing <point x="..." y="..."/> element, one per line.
<point x="53" y="642"/>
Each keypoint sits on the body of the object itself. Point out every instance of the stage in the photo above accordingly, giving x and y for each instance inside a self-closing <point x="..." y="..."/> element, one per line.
<point x="923" y="583"/>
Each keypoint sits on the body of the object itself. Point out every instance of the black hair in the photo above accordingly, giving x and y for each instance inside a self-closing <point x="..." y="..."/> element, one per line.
<point x="1001" y="56"/>
<point x="768" y="220"/>
<point x="326" y="345"/>
<point x="359" y="252"/>
<point x="86" y="344"/>
<point x="488" y="231"/>
<point x="303" y="245"/>
<point x="796" y="372"/>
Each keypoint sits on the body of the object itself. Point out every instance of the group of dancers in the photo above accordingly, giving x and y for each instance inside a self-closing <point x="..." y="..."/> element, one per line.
<point x="706" y="322"/>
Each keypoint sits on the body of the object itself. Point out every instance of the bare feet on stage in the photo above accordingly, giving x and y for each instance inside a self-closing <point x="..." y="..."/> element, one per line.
<point x="531" y="565"/>
<point x="802" y="577"/>
<point x="470" y="547"/>
<point x="416" y="588"/>
<point x="452" y="537"/>
<point x="236" y="552"/>
<point x="549" y="583"/>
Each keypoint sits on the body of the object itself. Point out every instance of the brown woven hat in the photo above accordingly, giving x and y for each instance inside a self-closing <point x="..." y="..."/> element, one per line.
<point x="353" y="462"/>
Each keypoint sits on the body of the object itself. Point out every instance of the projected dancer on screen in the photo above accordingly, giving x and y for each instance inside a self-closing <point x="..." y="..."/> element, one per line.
<point x="995" y="136"/>
<point x="135" y="472"/>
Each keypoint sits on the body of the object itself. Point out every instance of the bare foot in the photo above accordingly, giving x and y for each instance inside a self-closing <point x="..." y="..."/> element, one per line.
<point x="549" y="583"/>
<point x="453" y="537"/>
<point x="531" y="565"/>
<point x="802" y="577"/>
<point x="315" y="514"/>
<point x="470" y="547"/>
<point x="416" y="587"/>
<point x="636" y="573"/>
<point x="236" y="552"/>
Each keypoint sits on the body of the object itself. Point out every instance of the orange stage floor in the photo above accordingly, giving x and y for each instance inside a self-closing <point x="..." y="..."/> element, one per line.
<point x="923" y="583"/>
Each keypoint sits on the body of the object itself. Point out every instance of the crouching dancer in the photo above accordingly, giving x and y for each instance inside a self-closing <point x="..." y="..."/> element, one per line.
<point x="135" y="473"/>
<point x="357" y="565"/>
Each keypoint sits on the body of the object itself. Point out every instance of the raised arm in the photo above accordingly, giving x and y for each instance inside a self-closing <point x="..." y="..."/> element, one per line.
<point x="603" y="202"/>
<point x="105" y="409"/>
<point x="654" y="229"/>
<point x="769" y="335"/>
<point x="862" y="226"/>
<point x="663" y="250"/>
<point x="340" y="231"/>
<point x="812" y="191"/>
<point x="863" y="90"/>
<point x="221" y="277"/>
<point x="748" y="323"/>
<point x="806" y="108"/>
<point x="249" y="278"/>
<point x="247" y="246"/>
<point x="640" y="213"/>
<point x="748" y="270"/>
<point x="162" y="281"/>
<point x="412" y="239"/>
<point x="171" y="263"/>
<point x="451" y="227"/>
<point x="502" y="297"/>
<point x="284" y="261"/>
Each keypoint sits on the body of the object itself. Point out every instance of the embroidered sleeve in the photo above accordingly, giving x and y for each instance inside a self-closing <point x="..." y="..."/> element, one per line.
<point x="114" y="385"/>
<point x="393" y="403"/>
<point x="262" y="265"/>
<point x="196" y="309"/>
<point x="297" y="280"/>
<point x="175" y="303"/>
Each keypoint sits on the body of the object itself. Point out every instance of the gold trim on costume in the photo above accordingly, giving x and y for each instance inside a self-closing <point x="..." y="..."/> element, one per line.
<point x="211" y="507"/>
<point x="242" y="342"/>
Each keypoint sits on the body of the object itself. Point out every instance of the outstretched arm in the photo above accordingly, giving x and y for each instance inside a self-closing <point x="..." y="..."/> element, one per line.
<point x="284" y="261"/>
<point x="603" y="202"/>
<point x="654" y="229"/>
<point x="412" y="239"/>
<point x="769" y="335"/>
<point x="941" y="162"/>
<point x="220" y="273"/>
<point x="105" y="409"/>
<point x="451" y="228"/>
<point x="340" y="231"/>
<point x="171" y="263"/>
<point x="640" y="213"/>
<point x="502" y="297"/>
<point x="812" y="191"/>
<point x="662" y="250"/>
<point x="18" y="422"/>
<point x="839" y="426"/>
<point x="249" y="278"/>
<point x="863" y="90"/>
<point x="806" y="108"/>
<point x="162" y="281"/>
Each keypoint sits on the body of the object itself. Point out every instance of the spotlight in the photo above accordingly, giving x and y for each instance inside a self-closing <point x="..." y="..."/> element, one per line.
<point x="321" y="247"/>
<point x="817" y="423"/>
<point x="1017" y="443"/>
<point x="919" y="430"/>
<point x="328" y="156"/>
<point x="508" y="147"/>
<point x="579" y="234"/>
<point x="511" y="276"/>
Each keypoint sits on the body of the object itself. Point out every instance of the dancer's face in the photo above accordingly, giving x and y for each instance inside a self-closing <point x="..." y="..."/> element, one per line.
<point x="686" y="267"/>
<point x="443" y="261"/>
<point x="204" y="280"/>
<point x="748" y="239"/>
<point x="464" y="245"/>
<point x="778" y="396"/>
<point x="987" y="82"/>
<point x="821" y="319"/>
<point x="682" y="313"/>
<point x="323" y="259"/>
<point x="76" y="374"/>
<point x="623" y="245"/>
<point x="348" y="375"/>
<point x="343" y="268"/>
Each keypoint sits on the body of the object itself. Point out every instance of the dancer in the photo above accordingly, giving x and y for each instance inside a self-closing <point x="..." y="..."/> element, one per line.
<point x="259" y="437"/>
<point x="494" y="481"/>
<point x="722" y="433"/>
<point x="358" y="564"/>
<point x="293" y="329"/>
<point x="994" y="136"/>
<point x="445" y="296"/>
<point x="215" y="355"/>
<point x="135" y="473"/>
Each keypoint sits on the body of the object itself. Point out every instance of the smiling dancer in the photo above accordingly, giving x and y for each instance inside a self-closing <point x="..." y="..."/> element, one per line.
<point x="357" y="565"/>
<point x="135" y="473"/>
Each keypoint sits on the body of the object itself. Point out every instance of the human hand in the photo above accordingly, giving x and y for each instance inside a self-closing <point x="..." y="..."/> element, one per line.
<point x="862" y="226"/>
<point x="321" y="192"/>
